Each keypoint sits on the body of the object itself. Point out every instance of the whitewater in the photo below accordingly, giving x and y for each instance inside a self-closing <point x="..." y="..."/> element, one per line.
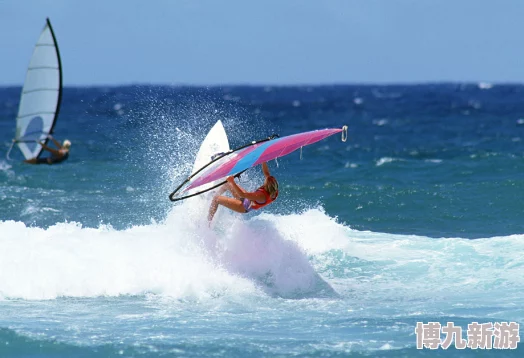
<point x="172" y="279"/>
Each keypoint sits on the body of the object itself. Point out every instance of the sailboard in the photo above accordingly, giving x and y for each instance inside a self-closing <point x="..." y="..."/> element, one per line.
<point x="240" y="159"/>
<point x="41" y="96"/>
<point x="215" y="143"/>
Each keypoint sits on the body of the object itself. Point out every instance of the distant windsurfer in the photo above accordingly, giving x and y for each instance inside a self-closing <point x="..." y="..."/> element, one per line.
<point x="57" y="155"/>
<point x="244" y="201"/>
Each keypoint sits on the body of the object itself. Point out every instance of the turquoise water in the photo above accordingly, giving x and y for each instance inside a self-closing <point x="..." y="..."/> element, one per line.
<point x="416" y="218"/>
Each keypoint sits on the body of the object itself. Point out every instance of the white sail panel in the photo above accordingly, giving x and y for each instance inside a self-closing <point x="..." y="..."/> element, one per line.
<point x="37" y="102"/>
<point x="41" y="95"/>
<point x="38" y="77"/>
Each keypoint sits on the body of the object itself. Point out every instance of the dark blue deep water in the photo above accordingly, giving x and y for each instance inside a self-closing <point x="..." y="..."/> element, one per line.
<point x="417" y="217"/>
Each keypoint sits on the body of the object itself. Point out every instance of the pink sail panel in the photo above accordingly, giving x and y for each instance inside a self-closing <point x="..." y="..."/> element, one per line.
<point x="258" y="154"/>
<point x="221" y="168"/>
<point x="291" y="143"/>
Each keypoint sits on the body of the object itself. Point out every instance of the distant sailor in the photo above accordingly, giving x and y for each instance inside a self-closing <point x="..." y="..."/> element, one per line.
<point x="57" y="155"/>
<point x="244" y="201"/>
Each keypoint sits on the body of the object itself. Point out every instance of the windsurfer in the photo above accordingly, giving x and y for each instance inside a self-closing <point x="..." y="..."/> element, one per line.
<point x="57" y="155"/>
<point x="244" y="201"/>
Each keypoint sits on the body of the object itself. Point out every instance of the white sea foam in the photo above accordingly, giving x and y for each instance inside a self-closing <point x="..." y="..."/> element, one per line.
<point x="380" y="122"/>
<point x="4" y="166"/>
<point x="386" y="160"/>
<point x="306" y="254"/>
<point x="485" y="85"/>
<point x="181" y="257"/>
<point x="7" y="171"/>
<point x="437" y="161"/>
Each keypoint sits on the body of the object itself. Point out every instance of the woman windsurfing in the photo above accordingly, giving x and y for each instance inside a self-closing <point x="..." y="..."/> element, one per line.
<point x="57" y="155"/>
<point x="244" y="201"/>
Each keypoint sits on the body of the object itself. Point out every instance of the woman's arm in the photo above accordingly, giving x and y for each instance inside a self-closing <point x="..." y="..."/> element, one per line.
<point x="54" y="151"/>
<point x="258" y="196"/>
<point x="265" y="170"/>
<point x="57" y="143"/>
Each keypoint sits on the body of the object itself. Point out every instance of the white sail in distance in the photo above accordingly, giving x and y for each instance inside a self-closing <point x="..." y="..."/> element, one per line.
<point x="41" y="95"/>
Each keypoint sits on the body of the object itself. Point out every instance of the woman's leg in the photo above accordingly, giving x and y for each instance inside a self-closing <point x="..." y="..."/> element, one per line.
<point x="222" y="189"/>
<point x="214" y="203"/>
<point x="225" y="188"/>
<point x="230" y="203"/>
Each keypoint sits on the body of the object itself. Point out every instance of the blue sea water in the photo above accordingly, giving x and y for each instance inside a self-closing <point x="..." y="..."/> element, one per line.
<point x="416" y="218"/>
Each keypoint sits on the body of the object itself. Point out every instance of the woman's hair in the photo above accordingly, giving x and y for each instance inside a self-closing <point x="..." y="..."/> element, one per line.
<point x="271" y="185"/>
<point x="66" y="144"/>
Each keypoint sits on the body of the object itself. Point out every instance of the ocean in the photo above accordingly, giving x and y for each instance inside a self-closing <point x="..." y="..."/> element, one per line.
<point x="417" y="217"/>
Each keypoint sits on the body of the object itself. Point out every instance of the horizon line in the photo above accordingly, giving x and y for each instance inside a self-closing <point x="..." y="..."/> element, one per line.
<point x="487" y="84"/>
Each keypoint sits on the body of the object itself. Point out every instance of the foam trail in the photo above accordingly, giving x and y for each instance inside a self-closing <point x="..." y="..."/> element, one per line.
<point x="68" y="260"/>
<point x="254" y="249"/>
<point x="302" y="255"/>
<point x="4" y="166"/>
<point x="181" y="257"/>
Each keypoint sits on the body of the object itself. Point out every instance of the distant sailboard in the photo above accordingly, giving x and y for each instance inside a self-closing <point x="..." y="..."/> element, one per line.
<point x="41" y="96"/>
<point x="239" y="160"/>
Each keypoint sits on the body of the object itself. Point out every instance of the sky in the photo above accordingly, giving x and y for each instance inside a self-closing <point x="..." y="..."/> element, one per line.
<point x="269" y="42"/>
